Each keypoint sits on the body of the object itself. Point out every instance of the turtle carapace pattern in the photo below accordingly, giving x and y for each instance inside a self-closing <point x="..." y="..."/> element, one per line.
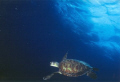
<point x="72" y="68"/>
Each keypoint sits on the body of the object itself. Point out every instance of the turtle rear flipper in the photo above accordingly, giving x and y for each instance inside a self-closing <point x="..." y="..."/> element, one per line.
<point x="49" y="76"/>
<point x="92" y="75"/>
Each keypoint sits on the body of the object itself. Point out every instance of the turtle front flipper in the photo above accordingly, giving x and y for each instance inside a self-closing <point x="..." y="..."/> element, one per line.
<point x="49" y="76"/>
<point x="65" y="57"/>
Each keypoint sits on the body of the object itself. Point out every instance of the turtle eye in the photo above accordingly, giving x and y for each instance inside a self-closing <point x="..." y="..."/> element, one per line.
<point x="51" y="63"/>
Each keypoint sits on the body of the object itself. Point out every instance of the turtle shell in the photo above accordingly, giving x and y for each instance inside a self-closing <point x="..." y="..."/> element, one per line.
<point x="73" y="68"/>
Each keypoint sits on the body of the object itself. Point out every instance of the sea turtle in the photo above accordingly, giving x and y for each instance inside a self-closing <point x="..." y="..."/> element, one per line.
<point x="72" y="68"/>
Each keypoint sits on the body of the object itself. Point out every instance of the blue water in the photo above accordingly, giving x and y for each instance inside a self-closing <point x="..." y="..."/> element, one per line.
<point x="35" y="32"/>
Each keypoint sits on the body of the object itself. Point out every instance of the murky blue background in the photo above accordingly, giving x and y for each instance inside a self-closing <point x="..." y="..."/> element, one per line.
<point x="35" y="32"/>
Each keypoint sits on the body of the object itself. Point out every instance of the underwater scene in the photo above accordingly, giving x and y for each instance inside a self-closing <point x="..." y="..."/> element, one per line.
<point x="59" y="40"/>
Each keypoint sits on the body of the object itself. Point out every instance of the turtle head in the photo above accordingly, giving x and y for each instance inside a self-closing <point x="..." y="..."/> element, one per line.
<point x="54" y="64"/>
